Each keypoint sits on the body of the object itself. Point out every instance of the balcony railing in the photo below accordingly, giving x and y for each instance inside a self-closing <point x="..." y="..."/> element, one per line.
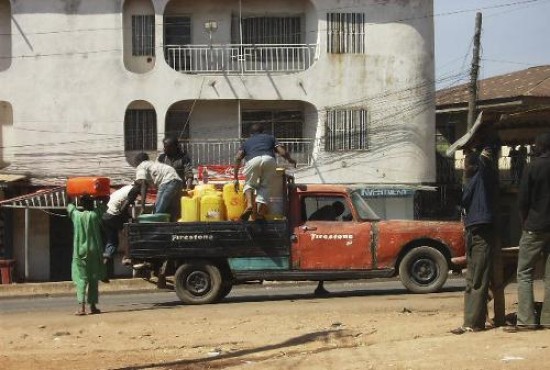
<point x="222" y="152"/>
<point x="240" y="58"/>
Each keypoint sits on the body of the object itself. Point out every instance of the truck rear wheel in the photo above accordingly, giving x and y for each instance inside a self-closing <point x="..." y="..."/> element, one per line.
<point x="423" y="270"/>
<point x="198" y="282"/>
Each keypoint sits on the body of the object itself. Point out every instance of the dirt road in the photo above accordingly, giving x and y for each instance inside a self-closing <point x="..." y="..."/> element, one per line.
<point x="388" y="331"/>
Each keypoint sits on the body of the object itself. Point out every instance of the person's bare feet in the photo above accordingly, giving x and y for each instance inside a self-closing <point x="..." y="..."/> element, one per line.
<point x="81" y="310"/>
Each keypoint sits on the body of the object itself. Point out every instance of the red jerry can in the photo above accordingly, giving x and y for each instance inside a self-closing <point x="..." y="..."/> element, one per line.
<point x="92" y="186"/>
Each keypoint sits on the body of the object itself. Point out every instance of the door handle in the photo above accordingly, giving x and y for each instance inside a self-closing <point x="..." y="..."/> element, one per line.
<point x="309" y="228"/>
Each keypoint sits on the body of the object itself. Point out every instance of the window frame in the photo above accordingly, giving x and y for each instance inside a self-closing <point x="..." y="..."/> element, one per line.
<point x="346" y="33"/>
<point x="143" y="35"/>
<point x="340" y="136"/>
<point x="146" y="132"/>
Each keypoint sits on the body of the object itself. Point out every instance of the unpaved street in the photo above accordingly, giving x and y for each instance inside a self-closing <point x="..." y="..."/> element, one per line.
<point x="355" y="328"/>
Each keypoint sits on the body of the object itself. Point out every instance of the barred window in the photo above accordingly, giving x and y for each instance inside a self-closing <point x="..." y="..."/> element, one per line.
<point x="140" y="129"/>
<point x="281" y="124"/>
<point x="346" y="130"/>
<point x="268" y="30"/>
<point x="143" y="35"/>
<point x="346" y="33"/>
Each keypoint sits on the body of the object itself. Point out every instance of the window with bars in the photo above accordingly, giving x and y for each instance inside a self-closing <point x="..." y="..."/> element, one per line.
<point x="177" y="124"/>
<point x="140" y="129"/>
<point x="346" y="130"/>
<point x="346" y="33"/>
<point x="177" y="30"/>
<point x="281" y="124"/>
<point x="268" y="30"/>
<point x="143" y="35"/>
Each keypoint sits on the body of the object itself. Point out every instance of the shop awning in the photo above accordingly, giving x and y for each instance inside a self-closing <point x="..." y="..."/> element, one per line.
<point x="43" y="199"/>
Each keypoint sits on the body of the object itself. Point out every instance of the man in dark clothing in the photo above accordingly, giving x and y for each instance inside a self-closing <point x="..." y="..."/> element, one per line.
<point x="175" y="157"/>
<point x="479" y="208"/>
<point x="534" y="205"/>
<point x="329" y="212"/>
<point x="259" y="152"/>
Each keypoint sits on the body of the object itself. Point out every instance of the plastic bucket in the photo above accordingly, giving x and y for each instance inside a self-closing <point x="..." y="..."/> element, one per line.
<point x="154" y="217"/>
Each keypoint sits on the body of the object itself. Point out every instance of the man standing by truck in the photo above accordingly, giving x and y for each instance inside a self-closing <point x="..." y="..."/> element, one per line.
<point x="260" y="168"/>
<point x="534" y="204"/>
<point x="479" y="203"/>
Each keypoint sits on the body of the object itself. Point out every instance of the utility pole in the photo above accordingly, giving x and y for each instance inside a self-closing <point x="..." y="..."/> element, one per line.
<point x="472" y="103"/>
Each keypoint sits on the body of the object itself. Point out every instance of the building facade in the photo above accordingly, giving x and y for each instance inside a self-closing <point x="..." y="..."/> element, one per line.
<point x="346" y="85"/>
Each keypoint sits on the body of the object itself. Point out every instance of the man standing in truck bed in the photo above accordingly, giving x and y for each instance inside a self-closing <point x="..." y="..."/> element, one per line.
<point x="259" y="152"/>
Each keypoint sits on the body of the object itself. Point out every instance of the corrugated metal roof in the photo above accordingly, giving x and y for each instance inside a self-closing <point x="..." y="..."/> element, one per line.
<point x="43" y="199"/>
<point x="531" y="82"/>
<point x="52" y="198"/>
<point x="7" y="177"/>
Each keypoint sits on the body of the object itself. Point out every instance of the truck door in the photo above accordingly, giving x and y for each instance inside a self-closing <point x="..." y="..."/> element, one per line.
<point x="327" y="237"/>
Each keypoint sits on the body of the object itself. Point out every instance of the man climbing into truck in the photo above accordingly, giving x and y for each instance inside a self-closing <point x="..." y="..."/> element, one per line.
<point x="259" y="152"/>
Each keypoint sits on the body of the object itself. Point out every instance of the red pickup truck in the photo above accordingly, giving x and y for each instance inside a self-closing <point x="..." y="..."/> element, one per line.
<point x="312" y="243"/>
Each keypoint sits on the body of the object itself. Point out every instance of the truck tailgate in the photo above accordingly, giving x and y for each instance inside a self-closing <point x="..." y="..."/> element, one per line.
<point x="203" y="240"/>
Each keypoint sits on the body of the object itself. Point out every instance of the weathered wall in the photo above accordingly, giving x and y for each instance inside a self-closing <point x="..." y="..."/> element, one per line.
<point x="69" y="87"/>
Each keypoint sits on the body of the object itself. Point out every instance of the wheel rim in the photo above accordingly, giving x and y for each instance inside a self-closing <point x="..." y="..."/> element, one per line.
<point x="424" y="270"/>
<point x="198" y="282"/>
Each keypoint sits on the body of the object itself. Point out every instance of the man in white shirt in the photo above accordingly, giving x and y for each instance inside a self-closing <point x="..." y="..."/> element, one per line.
<point x="116" y="215"/>
<point x="165" y="178"/>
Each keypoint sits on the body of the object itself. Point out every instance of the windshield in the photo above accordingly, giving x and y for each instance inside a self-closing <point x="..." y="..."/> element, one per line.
<point x="363" y="209"/>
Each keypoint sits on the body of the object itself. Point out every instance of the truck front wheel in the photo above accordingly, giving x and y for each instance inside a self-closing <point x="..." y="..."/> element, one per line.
<point x="423" y="270"/>
<point x="198" y="282"/>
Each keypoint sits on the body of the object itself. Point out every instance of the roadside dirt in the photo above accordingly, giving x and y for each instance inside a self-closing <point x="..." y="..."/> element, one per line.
<point x="366" y="332"/>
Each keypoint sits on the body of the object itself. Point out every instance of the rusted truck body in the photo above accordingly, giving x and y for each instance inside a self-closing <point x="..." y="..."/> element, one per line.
<point x="209" y="258"/>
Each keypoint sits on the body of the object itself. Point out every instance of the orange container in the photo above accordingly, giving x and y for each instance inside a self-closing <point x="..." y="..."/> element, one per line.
<point x="92" y="186"/>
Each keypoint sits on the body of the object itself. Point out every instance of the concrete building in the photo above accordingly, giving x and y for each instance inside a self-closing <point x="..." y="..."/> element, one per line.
<point x="346" y="85"/>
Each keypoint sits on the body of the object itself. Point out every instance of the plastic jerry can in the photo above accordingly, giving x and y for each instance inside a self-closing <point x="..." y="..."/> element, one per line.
<point x="212" y="207"/>
<point x="189" y="209"/>
<point x="202" y="189"/>
<point x="235" y="203"/>
<point x="92" y="186"/>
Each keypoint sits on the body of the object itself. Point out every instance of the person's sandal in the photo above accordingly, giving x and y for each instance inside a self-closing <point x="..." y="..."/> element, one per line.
<point x="465" y="329"/>
<point x="94" y="311"/>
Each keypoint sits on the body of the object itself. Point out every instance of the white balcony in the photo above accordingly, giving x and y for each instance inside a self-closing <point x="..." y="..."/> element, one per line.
<point x="240" y="58"/>
<point x="222" y="151"/>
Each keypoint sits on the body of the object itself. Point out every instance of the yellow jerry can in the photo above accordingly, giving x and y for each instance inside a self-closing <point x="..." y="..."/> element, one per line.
<point x="189" y="209"/>
<point x="202" y="189"/>
<point x="235" y="203"/>
<point x="212" y="208"/>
